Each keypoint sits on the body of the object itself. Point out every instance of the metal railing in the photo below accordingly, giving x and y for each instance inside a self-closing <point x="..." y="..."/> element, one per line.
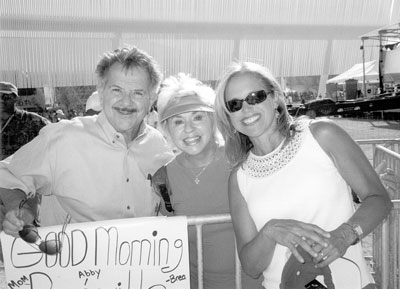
<point x="198" y="222"/>
<point x="381" y="266"/>
<point x="369" y="146"/>
<point x="385" y="258"/>
<point x="386" y="237"/>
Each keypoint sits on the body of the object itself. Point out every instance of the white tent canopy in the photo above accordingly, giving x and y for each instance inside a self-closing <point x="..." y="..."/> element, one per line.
<point x="356" y="72"/>
<point x="48" y="43"/>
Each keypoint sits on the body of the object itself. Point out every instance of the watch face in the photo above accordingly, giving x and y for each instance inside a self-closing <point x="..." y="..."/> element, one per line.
<point x="358" y="230"/>
<point x="355" y="235"/>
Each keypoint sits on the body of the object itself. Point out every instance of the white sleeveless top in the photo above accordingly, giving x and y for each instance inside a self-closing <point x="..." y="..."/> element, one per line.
<point x="299" y="181"/>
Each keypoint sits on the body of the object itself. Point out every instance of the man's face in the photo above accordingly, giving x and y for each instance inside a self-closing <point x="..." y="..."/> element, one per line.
<point x="7" y="102"/>
<point x="126" y="99"/>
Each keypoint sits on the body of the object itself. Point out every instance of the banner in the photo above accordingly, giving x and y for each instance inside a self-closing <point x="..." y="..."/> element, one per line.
<point x="138" y="253"/>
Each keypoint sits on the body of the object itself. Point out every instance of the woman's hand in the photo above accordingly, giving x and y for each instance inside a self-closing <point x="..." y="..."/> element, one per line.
<point x="292" y="233"/>
<point x="338" y="243"/>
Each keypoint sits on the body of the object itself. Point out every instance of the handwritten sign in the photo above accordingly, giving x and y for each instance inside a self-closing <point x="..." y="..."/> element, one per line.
<point x="140" y="253"/>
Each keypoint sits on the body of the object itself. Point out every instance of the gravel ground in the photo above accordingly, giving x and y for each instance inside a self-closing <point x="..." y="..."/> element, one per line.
<point x="359" y="129"/>
<point x="366" y="129"/>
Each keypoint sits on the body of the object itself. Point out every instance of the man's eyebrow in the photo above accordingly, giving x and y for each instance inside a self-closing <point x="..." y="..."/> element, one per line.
<point x="115" y="85"/>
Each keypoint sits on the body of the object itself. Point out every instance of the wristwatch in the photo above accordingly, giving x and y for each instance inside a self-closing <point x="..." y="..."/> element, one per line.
<point x="357" y="231"/>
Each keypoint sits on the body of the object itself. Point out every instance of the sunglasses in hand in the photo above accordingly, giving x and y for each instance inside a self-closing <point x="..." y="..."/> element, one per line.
<point x="252" y="98"/>
<point x="30" y="234"/>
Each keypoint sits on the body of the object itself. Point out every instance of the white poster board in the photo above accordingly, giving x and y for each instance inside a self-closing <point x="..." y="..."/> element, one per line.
<point x="139" y="253"/>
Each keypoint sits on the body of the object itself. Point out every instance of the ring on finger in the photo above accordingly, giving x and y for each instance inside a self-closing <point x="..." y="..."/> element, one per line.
<point x="326" y="257"/>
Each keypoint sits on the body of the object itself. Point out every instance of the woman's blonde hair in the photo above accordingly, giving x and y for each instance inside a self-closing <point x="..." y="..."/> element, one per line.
<point x="180" y="86"/>
<point x="237" y="144"/>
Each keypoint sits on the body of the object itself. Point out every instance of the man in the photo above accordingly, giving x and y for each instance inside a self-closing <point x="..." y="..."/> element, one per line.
<point x="94" y="168"/>
<point x="18" y="126"/>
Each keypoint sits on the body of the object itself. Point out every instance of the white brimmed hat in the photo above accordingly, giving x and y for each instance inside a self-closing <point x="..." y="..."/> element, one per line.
<point x="93" y="102"/>
<point x="8" y="88"/>
<point x="187" y="103"/>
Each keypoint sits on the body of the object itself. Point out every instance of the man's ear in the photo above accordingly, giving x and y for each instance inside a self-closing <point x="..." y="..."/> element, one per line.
<point x="100" y="92"/>
<point x="153" y="99"/>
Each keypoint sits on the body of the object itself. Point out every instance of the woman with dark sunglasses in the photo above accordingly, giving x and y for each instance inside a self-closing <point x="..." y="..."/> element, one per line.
<point x="290" y="192"/>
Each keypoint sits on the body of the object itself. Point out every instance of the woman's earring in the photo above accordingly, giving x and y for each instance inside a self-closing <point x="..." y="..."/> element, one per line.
<point x="277" y="114"/>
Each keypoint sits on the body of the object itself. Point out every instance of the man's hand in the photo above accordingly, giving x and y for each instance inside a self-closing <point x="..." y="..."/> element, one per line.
<point x="15" y="220"/>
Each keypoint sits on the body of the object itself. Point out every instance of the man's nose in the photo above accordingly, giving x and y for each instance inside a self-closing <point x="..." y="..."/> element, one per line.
<point x="128" y="96"/>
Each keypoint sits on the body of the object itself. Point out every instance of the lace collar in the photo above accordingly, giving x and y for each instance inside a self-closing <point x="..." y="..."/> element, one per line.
<point x="263" y="166"/>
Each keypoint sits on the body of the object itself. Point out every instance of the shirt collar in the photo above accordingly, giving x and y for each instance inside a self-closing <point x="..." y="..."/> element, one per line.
<point x="112" y="133"/>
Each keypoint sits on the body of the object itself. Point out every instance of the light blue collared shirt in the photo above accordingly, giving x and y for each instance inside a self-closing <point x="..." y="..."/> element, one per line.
<point x="84" y="167"/>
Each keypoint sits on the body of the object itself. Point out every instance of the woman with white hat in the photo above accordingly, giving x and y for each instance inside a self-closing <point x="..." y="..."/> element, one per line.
<point x="197" y="179"/>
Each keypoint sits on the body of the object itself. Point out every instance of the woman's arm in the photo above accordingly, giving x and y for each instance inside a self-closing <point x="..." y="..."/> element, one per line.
<point x="257" y="248"/>
<point x="359" y="174"/>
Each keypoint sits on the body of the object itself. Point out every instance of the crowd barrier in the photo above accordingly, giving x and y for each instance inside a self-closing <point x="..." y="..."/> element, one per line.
<point x="385" y="259"/>
<point x="199" y="222"/>
<point x="386" y="237"/>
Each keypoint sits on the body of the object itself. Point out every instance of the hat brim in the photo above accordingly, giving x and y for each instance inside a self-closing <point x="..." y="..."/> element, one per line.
<point x="8" y="92"/>
<point x="185" y="108"/>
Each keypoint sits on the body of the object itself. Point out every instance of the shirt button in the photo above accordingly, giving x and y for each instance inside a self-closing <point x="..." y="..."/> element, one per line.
<point x="128" y="207"/>
<point x="127" y="180"/>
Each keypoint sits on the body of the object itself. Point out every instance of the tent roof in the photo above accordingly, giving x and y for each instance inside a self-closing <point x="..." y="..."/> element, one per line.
<point x="55" y="43"/>
<point x="356" y="72"/>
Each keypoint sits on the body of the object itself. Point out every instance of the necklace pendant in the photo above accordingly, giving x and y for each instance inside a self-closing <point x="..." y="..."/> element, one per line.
<point x="196" y="180"/>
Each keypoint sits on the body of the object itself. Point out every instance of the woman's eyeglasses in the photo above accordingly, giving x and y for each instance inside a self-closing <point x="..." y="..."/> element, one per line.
<point x="252" y="98"/>
<point x="30" y="234"/>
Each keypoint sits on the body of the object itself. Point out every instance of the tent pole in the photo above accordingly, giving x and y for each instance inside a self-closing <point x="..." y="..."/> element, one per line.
<point x="380" y="63"/>
<point x="363" y="59"/>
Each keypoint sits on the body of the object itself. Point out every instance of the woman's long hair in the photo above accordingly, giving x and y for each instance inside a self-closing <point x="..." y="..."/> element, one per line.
<point x="237" y="144"/>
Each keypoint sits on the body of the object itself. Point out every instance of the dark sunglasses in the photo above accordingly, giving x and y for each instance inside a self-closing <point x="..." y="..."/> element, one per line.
<point x="252" y="98"/>
<point x="8" y="96"/>
<point x="30" y="234"/>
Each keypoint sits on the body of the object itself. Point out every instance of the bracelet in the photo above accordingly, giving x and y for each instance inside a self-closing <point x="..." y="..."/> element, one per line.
<point x="356" y="231"/>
